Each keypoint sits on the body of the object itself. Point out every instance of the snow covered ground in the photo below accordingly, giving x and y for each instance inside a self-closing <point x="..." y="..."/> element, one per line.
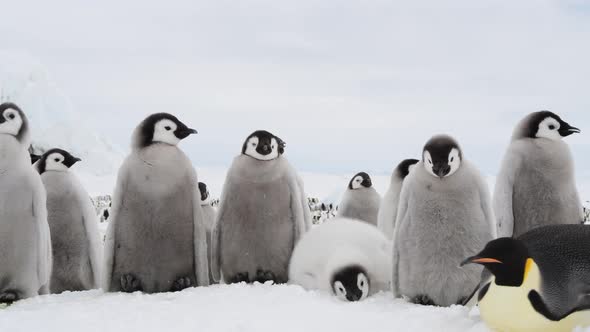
<point x="230" y="308"/>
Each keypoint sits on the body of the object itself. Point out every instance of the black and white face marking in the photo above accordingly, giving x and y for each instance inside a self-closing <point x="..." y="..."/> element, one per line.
<point x="549" y="125"/>
<point x="351" y="284"/>
<point x="204" y="194"/>
<point x="56" y="160"/>
<point x="360" y="180"/>
<point x="506" y="259"/>
<point x="163" y="128"/>
<point x="405" y="167"/>
<point x="12" y="120"/>
<point x="441" y="156"/>
<point x="262" y="145"/>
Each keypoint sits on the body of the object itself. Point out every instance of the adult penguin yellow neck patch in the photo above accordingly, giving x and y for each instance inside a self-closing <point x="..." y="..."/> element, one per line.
<point x="527" y="267"/>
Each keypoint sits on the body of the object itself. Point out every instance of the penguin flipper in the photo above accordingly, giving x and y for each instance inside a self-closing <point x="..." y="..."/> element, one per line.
<point x="44" y="249"/>
<point x="117" y="203"/>
<point x="306" y="210"/>
<point x="503" y="194"/>
<point x="541" y="307"/>
<point x="399" y="220"/>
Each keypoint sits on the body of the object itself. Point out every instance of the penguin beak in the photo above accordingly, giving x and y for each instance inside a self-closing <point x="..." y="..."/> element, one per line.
<point x="69" y="162"/>
<point x="441" y="170"/>
<point x="183" y="133"/>
<point x="566" y="130"/>
<point x="480" y="260"/>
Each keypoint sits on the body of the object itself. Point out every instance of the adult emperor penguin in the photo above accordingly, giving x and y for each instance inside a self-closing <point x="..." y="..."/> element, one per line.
<point x="360" y="201"/>
<point x="539" y="282"/>
<point x="77" y="248"/>
<point x="349" y="258"/>
<point x="209" y="216"/>
<point x="262" y="215"/>
<point x="444" y="213"/>
<point x="156" y="240"/>
<point x="536" y="184"/>
<point x="388" y="207"/>
<point x="25" y="242"/>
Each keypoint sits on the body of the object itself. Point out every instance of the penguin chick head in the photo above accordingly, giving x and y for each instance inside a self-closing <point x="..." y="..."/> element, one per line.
<point x="441" y="156"/>
<point x="262" y="145"/>
<point x="405" y="167"/>
<point x="204" y="192"/>
<point x="360" y="180"/>
<point x="13" y="122"/>
<point x="545" y="124"/>
<point x="506" y="258"/>
<point x="161" y="128"/>
<point x="351" y="283"/>
<point x="57" y="160"/>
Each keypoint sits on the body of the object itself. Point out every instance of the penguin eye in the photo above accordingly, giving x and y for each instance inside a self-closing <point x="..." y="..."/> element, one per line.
<point x="11" y="116"/>
<point x="551" y="127"/>
<point x="273" y="147"/>
<point x="362" y="283"/>
<point x="452" y="159"/>
<point x="253" y="144"/>
<point x="430" y="161"/>
<point x="167" y="128"/>
<point x="56" y="160"/>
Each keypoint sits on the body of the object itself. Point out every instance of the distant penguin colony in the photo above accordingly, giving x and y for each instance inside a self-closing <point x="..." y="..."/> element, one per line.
<point x="346" y="257"/>
<point x="77" y="247"/>
<point x="25" y="241"/>
<point x="524" y="252"/>
<point x="360" y="201"/>
<point x="263" y="213"/>
<point x="444" y="213"/>
<point x="536" y="184"/>
<point x="156" y="240"/>
<point x="388" y="210"/>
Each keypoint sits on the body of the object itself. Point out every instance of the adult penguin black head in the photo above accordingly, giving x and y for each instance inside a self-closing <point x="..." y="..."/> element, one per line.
<point x="506" y="258"/>
<point x="544" y="124"/>
<point x="360" y="180"/>
<point x="442" y="156"/>
<point x="160" y="128"/>
<point x="404" y="168"/>
<point x="14" y="122"/>
<point x="262" y="145"/>
<point x="57" y="160"/>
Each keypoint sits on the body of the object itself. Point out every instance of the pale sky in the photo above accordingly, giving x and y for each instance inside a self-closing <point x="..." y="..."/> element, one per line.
<point x="349" y="85"/>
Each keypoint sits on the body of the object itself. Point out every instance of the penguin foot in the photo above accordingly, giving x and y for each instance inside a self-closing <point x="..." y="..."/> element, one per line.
<point x="130" y="284"/>
<point x="423" y="300"/>
<point x="240" y="277"/>
<point x="181" y="283"/>
<point x="8" y="297"/>
<point x="264" y="276"/>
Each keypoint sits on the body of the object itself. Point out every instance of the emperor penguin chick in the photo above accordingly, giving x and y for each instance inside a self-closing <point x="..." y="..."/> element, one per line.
<point x="156" y="240"/>
<point x="388" y="207"/>
<point x="348" y="258"/>
<point x="209" y="216"/>
<point x="444" y="213"/>
<point x="539" y="281"/>
<point x="360" y="201"/>
<point x="536" y="184"/>
<point x="263" y="213"/>
<point x="25" y="241"/>
<point x="77" y="249"/>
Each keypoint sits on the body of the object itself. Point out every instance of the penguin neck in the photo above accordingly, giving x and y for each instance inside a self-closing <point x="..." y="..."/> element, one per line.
<point x="12" y="153"/>
<point x="256" y="170"/>
<point x="508" y="308"/>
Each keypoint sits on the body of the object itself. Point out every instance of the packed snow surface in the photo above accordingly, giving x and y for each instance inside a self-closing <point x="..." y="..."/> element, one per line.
<point x="238" y="307"/>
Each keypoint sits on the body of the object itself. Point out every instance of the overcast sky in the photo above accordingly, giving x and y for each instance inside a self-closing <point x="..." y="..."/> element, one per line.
<point x="349" y="85"/>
